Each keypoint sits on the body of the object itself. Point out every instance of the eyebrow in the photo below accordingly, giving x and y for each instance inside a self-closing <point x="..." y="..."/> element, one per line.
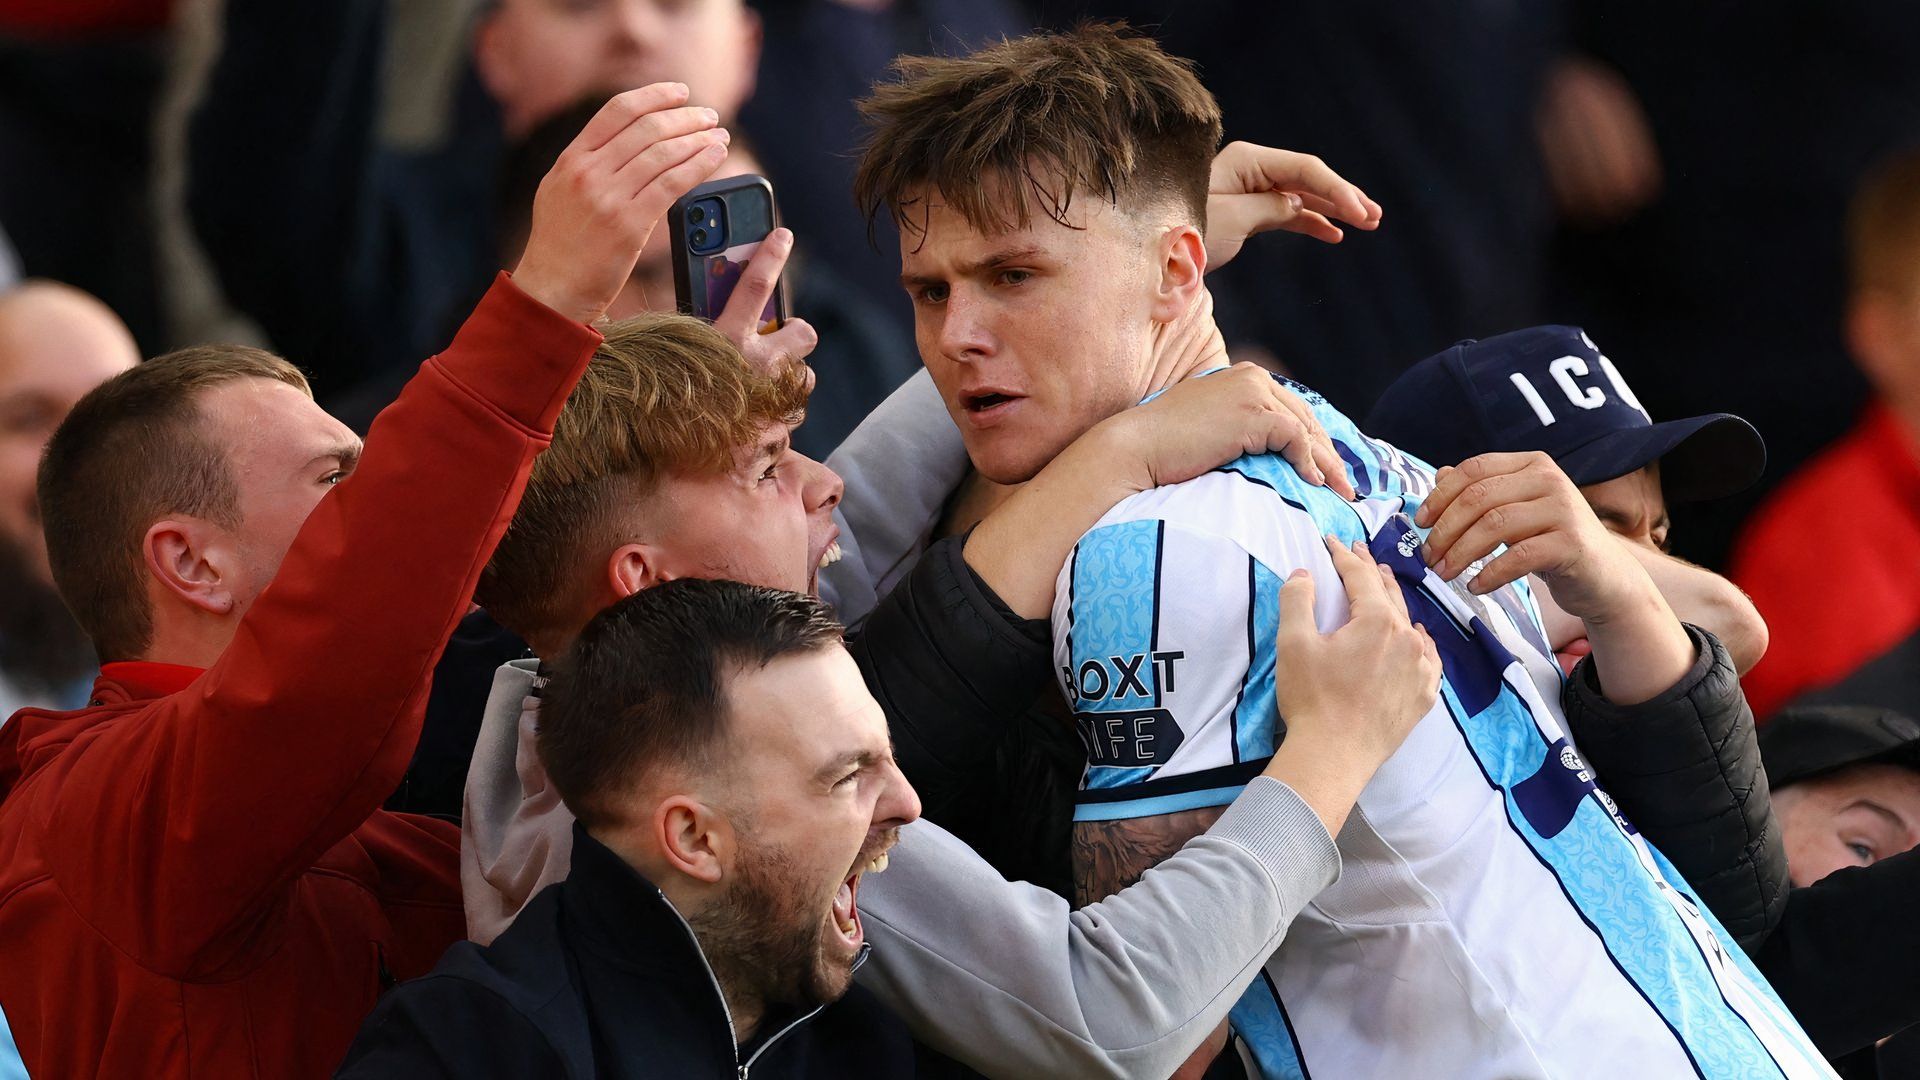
<point x="968" y="269"/>
<point x="1869" y="804"/>
<point x="346" y="454"/>
<point x="1615" y="517"/>
<point x="771" y="450"/>
<point x="845" y="763"/>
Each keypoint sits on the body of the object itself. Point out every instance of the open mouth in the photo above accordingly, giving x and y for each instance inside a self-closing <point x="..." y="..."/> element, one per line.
<point x="846" y="908"/>
<point x="983" y="403"/>
<point x="832" y="555"/>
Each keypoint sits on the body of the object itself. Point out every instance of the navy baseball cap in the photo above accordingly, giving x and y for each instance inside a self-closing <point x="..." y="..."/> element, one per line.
<point x="1549" y="388"/>
<point x="1805" y="741"/>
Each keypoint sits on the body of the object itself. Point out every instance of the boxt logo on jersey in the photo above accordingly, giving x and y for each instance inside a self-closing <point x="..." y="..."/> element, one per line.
<point x="1118" y="712"/>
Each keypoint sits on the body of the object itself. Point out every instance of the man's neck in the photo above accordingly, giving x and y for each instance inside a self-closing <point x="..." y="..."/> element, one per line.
<point x="1187" y="346"/>
<point x="744" y="1009"/>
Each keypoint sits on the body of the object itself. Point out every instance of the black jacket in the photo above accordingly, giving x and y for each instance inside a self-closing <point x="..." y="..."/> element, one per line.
<point x="978" y="726"/>
<point x="600" y="977"/>
<point x="1686" y="769"/>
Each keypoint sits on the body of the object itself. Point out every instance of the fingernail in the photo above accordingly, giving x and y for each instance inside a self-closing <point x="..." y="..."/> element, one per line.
<point x="1298" y="572"/>
<point x="1358" y="548"/>
<point x="711" y="116"/>
<point x="1441" y="569"/>
<point x="725" y="135"/>
<point x="1294" y="203"/>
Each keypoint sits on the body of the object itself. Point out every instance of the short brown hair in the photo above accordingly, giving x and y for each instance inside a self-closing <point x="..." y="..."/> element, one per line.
<point x="644" y="687"/>
<point x="662" y="393"/>
<point x="1883" y="226"/>
<point x="1047" y="116"/>
<point x="131" y="452"/>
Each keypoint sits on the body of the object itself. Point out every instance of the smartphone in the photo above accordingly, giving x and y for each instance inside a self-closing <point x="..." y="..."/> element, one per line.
<point x="716" y="228"/>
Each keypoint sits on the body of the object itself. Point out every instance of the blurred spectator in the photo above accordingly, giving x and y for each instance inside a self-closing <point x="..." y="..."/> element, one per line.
<point x="1430" y="108"/>
<point x="79" y="82"/>
<point x="56" y="343"/>
<point x="9" y="264"/>
<point x="358" y="257"/>
<point x="827" y="55"/>
<point x="861" y="355"/>
<point x="1550" y="389"/>
<point x="1849" y="630"/>
<point x="1731" y="283"/>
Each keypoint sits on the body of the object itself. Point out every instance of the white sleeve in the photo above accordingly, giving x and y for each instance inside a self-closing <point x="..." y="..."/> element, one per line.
<point x="900" y="465"/>
<point x="1004" y="978"/>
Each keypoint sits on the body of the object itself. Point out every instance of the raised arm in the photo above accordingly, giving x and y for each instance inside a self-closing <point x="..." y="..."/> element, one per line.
<point x="308" y="719"/>
<point x="1709" y="601"/>
<point x="1524" y="503"/>
<point x="1656" y="705"/>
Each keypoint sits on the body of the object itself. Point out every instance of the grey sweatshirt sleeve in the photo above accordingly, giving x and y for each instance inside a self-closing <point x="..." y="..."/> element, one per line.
<point x="1004" y="978"/>
<point x="900" y="465"/>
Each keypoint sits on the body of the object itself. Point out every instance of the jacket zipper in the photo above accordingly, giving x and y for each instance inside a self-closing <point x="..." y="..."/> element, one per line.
<point x="865" y="947"/>
<point x="713" y="980"/>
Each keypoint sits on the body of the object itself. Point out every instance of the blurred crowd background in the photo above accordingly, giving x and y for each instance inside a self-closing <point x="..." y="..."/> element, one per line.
<point x="336" y="178"/>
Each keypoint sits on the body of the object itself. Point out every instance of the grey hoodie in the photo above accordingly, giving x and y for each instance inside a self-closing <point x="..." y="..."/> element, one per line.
<point x="997" y="974"/>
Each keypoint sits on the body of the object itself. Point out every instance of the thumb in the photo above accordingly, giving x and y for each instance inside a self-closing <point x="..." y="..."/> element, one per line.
<point x="1296" y="604"/>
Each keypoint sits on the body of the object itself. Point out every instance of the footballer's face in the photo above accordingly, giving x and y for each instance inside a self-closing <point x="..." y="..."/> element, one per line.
<point x="1033" y="335"/>
<point x="766" y="520"/>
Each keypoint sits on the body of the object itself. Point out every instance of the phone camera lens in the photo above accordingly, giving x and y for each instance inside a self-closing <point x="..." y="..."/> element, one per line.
<point x="699" y="237"/>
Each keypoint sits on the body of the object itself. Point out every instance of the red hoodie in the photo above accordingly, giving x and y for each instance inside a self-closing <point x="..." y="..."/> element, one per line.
<point x="195" y="875"/>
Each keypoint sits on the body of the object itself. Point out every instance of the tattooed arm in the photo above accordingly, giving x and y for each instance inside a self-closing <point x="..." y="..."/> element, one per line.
<point x="1110" y="855"/>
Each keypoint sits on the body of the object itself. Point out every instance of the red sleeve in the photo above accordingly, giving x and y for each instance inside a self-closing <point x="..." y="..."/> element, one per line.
<point x="177" y="826"/>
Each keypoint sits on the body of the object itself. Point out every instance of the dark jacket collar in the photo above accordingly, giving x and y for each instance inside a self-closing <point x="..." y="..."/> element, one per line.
<point x="626" y="922"/>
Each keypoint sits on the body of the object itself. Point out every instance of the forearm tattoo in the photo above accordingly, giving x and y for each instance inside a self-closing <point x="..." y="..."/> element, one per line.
<point x="1110" y="855"/>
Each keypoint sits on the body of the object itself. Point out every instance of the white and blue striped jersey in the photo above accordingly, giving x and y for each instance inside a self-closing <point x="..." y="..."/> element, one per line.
<point x="1495" y="915"/>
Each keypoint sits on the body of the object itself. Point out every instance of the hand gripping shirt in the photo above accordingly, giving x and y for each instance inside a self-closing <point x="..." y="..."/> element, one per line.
<point x="1495" y="916"/>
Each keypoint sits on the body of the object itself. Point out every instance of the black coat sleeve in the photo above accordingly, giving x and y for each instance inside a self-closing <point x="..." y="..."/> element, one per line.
<point x="1685" y="769"/>
<point x="954" y="669"/>
<point x="444" y="1027"/>
<point x="1843" y="955"/>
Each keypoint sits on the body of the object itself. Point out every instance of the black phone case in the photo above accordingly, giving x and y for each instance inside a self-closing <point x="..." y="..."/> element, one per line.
<point x="702" y="283"/>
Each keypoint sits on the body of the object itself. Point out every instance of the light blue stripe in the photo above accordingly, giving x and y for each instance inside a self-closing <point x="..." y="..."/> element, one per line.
<point x="1256" y="1018"/>
<point x="1254" y="716"/>
<point x="1113" y="776"/>
<point x="1114" y="593"/>
<point x="1155" y="804"/>
<point x="1597" y="866"/>
<point x="11" y="1065"/>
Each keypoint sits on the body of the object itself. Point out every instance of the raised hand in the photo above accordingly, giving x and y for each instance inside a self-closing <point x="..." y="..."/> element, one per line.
<point x="768" y="350"/>
<point x="1525" y="502"/>
<point x="1255" y="189"/>
<point x="595" y="209"/>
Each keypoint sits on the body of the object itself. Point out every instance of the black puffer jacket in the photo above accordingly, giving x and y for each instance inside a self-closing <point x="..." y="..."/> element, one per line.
<point x="1685" y="769"/>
